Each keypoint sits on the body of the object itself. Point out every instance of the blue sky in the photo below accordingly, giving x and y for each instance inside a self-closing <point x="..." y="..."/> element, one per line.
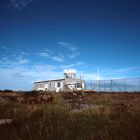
<point x="39" y="39"/>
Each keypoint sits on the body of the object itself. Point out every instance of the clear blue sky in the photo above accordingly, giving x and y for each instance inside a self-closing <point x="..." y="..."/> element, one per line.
<point x="41" y="38"/>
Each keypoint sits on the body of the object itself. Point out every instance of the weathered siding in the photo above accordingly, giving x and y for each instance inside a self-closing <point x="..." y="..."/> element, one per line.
<point x="60" y="85"/>
<point x="49" y="85"/>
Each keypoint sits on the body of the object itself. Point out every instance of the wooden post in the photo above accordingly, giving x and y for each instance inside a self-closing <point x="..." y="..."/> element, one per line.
<point x="104" y="86"/>
<point x="139" y="85"/>
<point x="125" y="87"/>
<point x="99" y="86"/>
<point x="111" y="86"/>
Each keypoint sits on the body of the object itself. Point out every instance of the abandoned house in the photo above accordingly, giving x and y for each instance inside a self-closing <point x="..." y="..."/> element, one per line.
<point x="69" y="82"/>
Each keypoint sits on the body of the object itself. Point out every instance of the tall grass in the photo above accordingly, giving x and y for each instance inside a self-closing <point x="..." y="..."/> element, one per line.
<point x="112" y="121"/>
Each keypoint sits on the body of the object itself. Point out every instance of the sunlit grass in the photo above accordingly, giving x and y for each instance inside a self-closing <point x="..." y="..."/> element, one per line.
<point x="116" y="117"/>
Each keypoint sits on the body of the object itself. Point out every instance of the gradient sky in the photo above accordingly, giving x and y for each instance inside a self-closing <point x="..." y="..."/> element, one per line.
<point x="39" y="39"/>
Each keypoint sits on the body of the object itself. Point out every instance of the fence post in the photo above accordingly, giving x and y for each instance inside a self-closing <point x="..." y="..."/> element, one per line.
<point x="125" y="88"/>
<point x="104" y="86"/>
<point x="91" y="85"/>
<point x="111" y="86"/>
<point x="99" y="86"/>
<point x="139" y="84"/>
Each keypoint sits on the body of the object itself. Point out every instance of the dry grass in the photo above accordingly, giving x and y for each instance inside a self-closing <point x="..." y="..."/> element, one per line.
<point x="103" y="117"/>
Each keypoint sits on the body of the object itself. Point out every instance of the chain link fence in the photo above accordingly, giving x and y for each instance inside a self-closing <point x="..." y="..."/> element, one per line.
<point x="114" y="85"/>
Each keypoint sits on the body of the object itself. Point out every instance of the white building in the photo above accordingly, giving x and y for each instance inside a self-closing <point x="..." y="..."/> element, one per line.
<point x="70" y="82"/>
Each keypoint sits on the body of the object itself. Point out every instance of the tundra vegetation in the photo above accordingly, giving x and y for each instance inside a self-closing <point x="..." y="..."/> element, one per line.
<point x="69" y="116"/>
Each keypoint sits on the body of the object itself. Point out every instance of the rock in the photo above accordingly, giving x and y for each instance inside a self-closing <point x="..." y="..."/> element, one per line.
<point x="5" y="121"/>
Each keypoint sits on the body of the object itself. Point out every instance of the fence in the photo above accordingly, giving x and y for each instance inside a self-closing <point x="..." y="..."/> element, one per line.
<point x="114" y="85"/>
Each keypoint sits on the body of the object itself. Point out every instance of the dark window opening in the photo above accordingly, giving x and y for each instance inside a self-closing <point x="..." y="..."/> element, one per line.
<point x="58" y="84"/>
<point x="79" y="85"/>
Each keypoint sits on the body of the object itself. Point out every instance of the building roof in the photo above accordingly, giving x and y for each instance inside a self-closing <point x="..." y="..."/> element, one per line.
<point x="49" y="81"/>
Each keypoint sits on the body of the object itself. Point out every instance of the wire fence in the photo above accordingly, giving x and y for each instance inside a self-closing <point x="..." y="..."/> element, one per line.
<point x="114" y="85"/>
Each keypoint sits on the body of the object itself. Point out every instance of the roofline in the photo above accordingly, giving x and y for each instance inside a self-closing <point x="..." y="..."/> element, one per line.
<point x="49" y="81"/>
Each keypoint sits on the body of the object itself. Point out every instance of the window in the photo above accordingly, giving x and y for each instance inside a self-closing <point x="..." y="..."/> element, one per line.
<point x="39" y="85"/>
<point x="79" y="85"/>
<point x="59" y="84"/>
<point x="50" y="84"/>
